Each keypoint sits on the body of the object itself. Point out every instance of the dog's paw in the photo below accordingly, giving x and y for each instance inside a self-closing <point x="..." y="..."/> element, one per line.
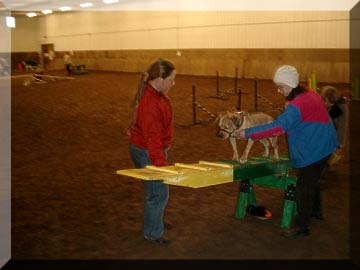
<point x="242" y="160"/>
<point x="235" y="158"/>
<point x="276" y="158"/>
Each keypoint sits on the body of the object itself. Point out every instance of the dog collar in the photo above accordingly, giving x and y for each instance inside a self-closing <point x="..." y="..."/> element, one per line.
<point x="224" y="130"/>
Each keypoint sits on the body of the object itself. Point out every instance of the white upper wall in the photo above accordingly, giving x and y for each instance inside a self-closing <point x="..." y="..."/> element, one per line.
<point x="117" y="30"/>
<point x="189" y="5"/>
<point x="5" y="40"/>
<point x="26" y="36"/>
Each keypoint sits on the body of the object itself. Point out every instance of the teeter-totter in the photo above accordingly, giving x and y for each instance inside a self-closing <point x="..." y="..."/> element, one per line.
<point x="259" y="171"/>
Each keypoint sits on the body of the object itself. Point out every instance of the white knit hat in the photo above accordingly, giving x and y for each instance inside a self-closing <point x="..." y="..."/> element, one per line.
<point x="287" y="75"/>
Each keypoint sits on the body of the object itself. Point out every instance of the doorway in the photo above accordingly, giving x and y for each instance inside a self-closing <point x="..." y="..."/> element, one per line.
<point x="47" y="55"/>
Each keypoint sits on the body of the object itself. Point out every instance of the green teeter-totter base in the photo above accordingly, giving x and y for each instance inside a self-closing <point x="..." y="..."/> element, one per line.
<point x="265" y="172"/>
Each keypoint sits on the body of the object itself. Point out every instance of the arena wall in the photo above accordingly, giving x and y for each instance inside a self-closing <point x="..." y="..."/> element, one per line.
<point x="330" y="65"/>
<point x="255" y="42"/>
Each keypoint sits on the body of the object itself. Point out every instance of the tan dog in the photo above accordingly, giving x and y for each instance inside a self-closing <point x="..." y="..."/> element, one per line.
<point x="230" y="122"/>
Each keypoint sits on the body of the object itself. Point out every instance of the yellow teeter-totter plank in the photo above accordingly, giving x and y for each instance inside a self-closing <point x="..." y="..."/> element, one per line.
<point x="195" y="167"/>
<point x="144" y="174"/>
<point x="223" y="165"/>
<point x="161" y="169"/>
<point x="190" y="175"/>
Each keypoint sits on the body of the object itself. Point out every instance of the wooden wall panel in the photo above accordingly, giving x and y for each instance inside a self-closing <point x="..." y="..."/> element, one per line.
<point x="330" y="65"/>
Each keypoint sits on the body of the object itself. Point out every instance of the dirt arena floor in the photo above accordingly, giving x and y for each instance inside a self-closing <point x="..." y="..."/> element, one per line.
<point x="68" y="139"/>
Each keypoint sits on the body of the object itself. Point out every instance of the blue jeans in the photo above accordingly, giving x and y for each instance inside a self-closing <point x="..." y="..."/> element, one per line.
<point x="156" y="196"/>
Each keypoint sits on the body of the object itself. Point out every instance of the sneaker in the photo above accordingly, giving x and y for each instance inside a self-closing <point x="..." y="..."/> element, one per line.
<point x="259" y="212"/>
<point x="168" y="226"/>
<point x="159" y="241"/>
<point x="296" y="232"/>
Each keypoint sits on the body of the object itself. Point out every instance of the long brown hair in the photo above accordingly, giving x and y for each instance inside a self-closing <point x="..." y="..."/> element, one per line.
<point x="161" y="68"/>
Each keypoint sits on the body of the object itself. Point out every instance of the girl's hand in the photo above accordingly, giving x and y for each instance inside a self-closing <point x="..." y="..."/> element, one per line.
<point x="240" y="134"/>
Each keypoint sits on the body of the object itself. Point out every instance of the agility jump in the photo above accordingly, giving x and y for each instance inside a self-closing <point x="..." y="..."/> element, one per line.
<point x="38" y="78"/>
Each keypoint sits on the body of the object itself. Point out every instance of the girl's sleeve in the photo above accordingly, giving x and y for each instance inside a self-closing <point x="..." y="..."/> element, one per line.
<point x="284" y="122"/>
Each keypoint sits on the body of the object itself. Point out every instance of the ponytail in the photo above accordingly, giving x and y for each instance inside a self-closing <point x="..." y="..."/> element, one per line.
<point x="139" y="93"/>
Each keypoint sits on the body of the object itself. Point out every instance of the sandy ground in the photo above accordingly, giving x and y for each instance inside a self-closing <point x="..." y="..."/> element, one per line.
<point x="68" y="139"/>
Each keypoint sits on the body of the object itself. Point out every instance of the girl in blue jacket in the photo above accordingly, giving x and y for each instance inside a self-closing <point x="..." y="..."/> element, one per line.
<point x="311" y="138"/>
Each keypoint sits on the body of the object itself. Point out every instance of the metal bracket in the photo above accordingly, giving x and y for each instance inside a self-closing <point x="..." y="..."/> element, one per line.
<point x="245" y="186"/>
<point x="290" y="193"/>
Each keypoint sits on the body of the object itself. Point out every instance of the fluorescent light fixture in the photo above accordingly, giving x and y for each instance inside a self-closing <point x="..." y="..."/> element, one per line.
<point x="65" y="8"/>
<point x="46" y="11"/>
<point x="10" y="21"/>
<point x="31" y="14"/>
<point x="110" y="1"/>
<point x="84" y="5"/>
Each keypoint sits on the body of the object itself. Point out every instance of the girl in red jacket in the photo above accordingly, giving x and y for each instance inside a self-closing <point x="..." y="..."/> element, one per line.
<point x="151" y="133"/>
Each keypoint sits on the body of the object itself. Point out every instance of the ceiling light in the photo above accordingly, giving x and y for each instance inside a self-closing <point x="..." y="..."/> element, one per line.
<point x="46" y="11"/>
<point x="10" y="21"/>
<point x="31" y="14"/>
<point x="84" y="5"/>
<point x="65" y="8"/>
<point x="110" y="1"/>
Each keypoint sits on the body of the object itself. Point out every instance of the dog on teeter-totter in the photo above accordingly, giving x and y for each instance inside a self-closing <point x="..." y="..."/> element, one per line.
<point x="230" y="122"/>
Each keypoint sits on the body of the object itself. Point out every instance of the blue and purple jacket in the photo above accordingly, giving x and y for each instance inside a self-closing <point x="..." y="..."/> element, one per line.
<point x="311" y="133"/>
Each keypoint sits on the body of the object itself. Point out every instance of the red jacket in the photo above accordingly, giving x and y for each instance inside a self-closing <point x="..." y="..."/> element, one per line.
<point x="153" y="128"/>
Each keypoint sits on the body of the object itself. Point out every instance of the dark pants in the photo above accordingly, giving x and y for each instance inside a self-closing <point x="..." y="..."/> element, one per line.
<point x="308" y="199"/>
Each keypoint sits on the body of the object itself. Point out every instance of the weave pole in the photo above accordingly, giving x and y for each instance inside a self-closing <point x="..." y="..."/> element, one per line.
<point x="194" y="104"/>
<point x="263" y="99"/>
<point x="236" y="80"/>
<point x="256" y="94"/>
<point x="224" y="94"/>
<point x="239" y="100"/>
<point x="217" y="84"/>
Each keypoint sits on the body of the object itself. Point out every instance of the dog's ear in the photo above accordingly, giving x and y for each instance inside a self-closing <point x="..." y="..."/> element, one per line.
<point x="236" y="120"/>
<point x="217" y="119"/>
<point x="239" y="119"/>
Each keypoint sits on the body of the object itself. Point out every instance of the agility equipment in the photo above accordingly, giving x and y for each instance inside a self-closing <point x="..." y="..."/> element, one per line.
<point x="194" y="175"/>
<point x="79" y="69"/>
<point x="225" y="94"/>
<point x="312" y="81"/>
<point x="195" y="105"/>
<point x="258" y="171"/>
<point x="263" y="171"/>
<point x="274" y="107"/>
<point x="28" y="79"/>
